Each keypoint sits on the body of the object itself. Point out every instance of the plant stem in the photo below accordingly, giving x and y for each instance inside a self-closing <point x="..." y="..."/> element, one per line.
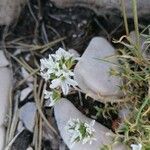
<point x="141" y="108"/>
<point x="125" y="17"/>
<point x="134" y="9"/>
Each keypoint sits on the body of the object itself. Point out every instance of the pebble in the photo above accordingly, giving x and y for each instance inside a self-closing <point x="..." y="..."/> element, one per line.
<point x="74" y="52"/>
<point x="27" y="115"/>
<point x="92" y="73"/>
<point x="25" y="92"/>
<point x="64" y="111"/>
<point x="5" y="85"/>
<point x="3" y="60"/>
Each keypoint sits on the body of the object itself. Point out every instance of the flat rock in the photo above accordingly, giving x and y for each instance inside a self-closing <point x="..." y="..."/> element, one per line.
<point x="2" y="138"/>
<point x="5" y="85"/>
<point x="27" y="115"/>
<point x="92" y="73"/>
<point x="74" y="52"/>
<point x="102" y="7"/>
<point x="25" y="92"/>
<point x="9" y="10"/>
<point x="64" y="111"/>
<point x="3" y="60"/>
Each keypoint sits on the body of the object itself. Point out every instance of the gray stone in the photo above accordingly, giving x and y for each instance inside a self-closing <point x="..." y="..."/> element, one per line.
<point x="9" y="10"/>
<point x="92" y="72"/>
<point x="27" y="115"/>
<point x="25" y="92"/>
<point x="74" y="52"/>
<point x="64" y="111"/>
<point x="3" y="60"/>
<point x="102" y="7"/>
<point x="5" y="85"/>
<point x="29" y="148"/>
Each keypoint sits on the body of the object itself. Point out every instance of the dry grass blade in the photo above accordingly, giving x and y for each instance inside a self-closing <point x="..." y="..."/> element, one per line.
<point x="39" y="108"/>
<point x="9" y="116"/>
<point x="13" y="125"/>
<point x="32" y="47"/>
<point x="24" y="80"/>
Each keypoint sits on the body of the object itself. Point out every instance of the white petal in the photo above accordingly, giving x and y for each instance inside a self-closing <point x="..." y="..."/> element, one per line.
<point x="65" y="88"/>
<point x="71" y="82"/>
<point x="45" y="76"/>
<point x="55" y="83"/>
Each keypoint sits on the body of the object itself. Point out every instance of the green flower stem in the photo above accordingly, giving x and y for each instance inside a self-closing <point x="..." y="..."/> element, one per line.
<point x="125" y="17"/>
<point x="140" y="110"/>
<point x="134" y="9"/>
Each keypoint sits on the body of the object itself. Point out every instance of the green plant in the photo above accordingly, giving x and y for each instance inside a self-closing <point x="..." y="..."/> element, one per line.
<point x="134" y="69"/>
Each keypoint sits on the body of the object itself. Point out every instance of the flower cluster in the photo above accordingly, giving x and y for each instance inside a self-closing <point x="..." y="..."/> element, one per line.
<point x="57" y="69"/>
<point x="80" y="131"/>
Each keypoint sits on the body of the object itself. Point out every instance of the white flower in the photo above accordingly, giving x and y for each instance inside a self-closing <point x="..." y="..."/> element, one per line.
<point x="136" y="146"/>
<point x="45" y="75"/>
<point x="47" y="63"/>
<point x="64" y="82"/>
<point x="52" y="96"/>
<point x="61" y="53"/>
<point x="80" y="131"/>
<point x="57" y="69"/>
<point x="47" y="67"/>
<point x="64" y="71"/>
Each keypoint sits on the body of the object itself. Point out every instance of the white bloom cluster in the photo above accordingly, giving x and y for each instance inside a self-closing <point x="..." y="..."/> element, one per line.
<point x="57" y="69"/>
<point x="136" y="146"/>
<point x="80" y="131"/>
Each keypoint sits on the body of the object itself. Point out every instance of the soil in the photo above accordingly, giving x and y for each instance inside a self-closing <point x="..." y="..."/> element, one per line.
<point x="42" y="23"/>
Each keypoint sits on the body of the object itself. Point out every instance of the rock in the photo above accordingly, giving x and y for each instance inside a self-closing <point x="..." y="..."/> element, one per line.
<point x="2" y="138"/>
<point x="64" y="110"/>
<point x="20" y="127"/>
<point x="29" y="148"/>
<point x="27" y="115"/>
<point x="25" y="92"/>
<point x="5" y="85"/>
<point x="92" y="74"/>
<point x="9" y="10"/>
<point x="102" y="7"/>
<point x="74" y="52"/>
<point x="3" y="61"/>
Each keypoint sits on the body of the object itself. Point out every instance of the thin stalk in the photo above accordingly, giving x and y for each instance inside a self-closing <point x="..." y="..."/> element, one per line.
<point x="140" y="110"/>
<point x="10" y="116"/>
<point x="125" y="17"/>
<point x="134" y="9"/>
<point x="13" y="140"/>
<point x="39" y="109"/>
<point x="14" y="121"/>
<point x="40" y="119"/>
